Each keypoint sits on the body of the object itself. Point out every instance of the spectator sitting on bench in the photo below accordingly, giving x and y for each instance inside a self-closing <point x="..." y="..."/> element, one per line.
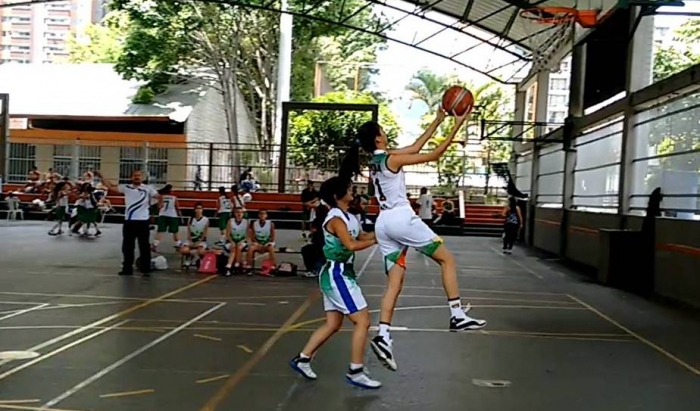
<point x="33" y="180"/>
<point x="261" y="234"/>
<point x="236" y="234"/>
<point x="196" y="236"/>
<point x="448" y="215"/>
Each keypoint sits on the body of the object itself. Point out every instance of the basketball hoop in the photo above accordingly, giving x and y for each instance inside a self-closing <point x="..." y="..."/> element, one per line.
<point x="545" y="42"/>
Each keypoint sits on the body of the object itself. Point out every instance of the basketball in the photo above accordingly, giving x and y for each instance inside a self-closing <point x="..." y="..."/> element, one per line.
<point x="457" y="101"/>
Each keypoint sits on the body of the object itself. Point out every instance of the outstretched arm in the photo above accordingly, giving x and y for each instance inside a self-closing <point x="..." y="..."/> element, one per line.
<point x="110" y="186"/>
<point x="396" y="161"/>
<point x="427" y="135"/>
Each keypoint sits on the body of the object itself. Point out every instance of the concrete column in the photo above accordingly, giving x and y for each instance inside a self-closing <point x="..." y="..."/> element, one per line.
<point x="110" y="162"/>
<point x="284" y="67"/>
<point x="43" y="157"/>
<point x="541" y="103"/>
<point x="639" y="75"/>
<point x="576" y="109"/>
<point x="75" y="170"/>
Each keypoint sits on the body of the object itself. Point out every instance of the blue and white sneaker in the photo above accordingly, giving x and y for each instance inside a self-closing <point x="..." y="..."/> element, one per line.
<point x="359" y="378"/>
<point x="303" y="367"/>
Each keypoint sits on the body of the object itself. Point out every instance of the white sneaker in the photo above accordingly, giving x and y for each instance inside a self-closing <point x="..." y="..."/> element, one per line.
<point x="383" y="350"/>
<point x="360" y="379"/>
<point x="466" y="323"/>
<point x="303" y="367"/>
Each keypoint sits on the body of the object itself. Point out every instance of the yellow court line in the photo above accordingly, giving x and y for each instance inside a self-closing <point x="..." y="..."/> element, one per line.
<point x="103" y="297"/>
<point x="212" y="379"/>
<point x="244" y="348"/>
<point x="469" y="298"/>
<point x="19" y="401"/>
<point x="236" y="378"/>
<point x="206" y="337"/>
<point x="127" y="393"/>
<point x="99" y="323"/>
<point x="639" y="337"/>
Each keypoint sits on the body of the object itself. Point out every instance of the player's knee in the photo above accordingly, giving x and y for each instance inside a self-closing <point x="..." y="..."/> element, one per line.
<point x="362" y="320"/>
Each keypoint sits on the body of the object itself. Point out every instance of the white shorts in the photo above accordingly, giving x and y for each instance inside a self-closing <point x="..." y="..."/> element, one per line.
<point x="400" y="228"/>
<point x="340" y="290"/>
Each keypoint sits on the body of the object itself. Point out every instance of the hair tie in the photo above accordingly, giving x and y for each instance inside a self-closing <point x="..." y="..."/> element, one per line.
<point x="357" y="142"/>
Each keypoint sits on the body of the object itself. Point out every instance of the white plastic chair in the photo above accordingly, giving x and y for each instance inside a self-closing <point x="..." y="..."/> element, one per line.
<point x="14" y="209"/>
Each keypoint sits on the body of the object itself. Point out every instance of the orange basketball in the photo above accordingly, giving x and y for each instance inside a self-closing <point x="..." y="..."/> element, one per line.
<point x="457" y="101"/>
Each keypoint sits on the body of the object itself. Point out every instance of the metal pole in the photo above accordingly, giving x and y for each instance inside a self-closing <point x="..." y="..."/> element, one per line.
<point x="211" y="164"/>
<point x="282" y="174"/>
<point x="284" y="68"/>
<point x="4" y="135"/>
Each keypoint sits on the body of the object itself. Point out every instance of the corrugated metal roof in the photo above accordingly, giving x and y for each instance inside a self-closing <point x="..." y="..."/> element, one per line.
<point x="88" y="90"/>
<point x="494" y="16"/>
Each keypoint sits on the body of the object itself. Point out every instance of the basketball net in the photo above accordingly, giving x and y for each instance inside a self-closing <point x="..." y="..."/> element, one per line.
<point x="546" y="41"/>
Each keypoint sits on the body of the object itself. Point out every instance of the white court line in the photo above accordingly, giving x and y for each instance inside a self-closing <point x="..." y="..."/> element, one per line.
<point x="102" y="297"/>
<point x="129" y="357"/>
<point x="529" y="270"/>
<point x="23" y="312"/>
<point x="56" y="351"/>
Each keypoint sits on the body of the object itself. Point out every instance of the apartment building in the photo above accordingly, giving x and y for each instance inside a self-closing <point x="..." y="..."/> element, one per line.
<point x="39" y="33"/>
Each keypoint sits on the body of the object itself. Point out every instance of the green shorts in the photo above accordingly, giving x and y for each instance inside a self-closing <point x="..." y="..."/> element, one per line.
<point x="153" y="210"/>
<point x="223" y="221"/>
<point x="87" y="215"/>
<point x="60" y="214"/>
<point x="168" y="224"/>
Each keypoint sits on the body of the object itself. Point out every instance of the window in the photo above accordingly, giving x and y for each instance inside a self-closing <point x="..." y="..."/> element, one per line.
<point x="6" y="33"/>
<point x="667" y="155"/>
<point x="23" y="48"/>
<point x="22" y="34"/>
<point x="550" y="176"/>
<point x="130" y="160"/>
<point x="6" y="19"/>
<point x="558" y="84"/>
<point x="20" y="160"/>
<point x="558" y="101"/>
<point x="597" y="170"/>
<point x="556" y="116"/>
<point x="522" y="173"/>
<point x="63" y="159"/>
<point x="90" y="157"/>
<point x="23" y="20"/>
<point x="157" y="165"/>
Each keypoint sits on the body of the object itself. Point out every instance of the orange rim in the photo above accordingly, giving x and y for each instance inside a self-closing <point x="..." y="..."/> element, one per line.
<point x="550" y="15"/>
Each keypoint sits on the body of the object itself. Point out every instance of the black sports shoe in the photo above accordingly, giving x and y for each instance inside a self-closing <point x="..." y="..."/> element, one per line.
<point x="123" y="272"/>
<point x="382" y="349"/>
<point x="466" y="324"/>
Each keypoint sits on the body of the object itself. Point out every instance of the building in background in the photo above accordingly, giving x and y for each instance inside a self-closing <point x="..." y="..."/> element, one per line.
<point x="39" y="33"/>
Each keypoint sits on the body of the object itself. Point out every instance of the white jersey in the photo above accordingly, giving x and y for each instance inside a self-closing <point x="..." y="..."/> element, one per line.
<point x="262" y="233"/>
<point x="168" y="209"/>
<point x="389" y="186"/>
<point x="238" y="201"/>
<point x="63" y="202"/>
<point x="137" y="200"/>
<point x="86" y="203"/>
<point x="224" y="204"/>
<point x="239" y="231"/>
<point x="426" y="205"/>
<point x="198" y="227"/>
<point x="333" y="249"/>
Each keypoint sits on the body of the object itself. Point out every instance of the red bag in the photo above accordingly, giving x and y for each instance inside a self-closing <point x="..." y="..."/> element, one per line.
<point x="208" y="264"/>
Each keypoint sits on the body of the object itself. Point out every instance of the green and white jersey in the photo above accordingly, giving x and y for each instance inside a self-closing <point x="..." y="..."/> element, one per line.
<point x="238" y="230"/>
<point x="262" y="233"/>
<point x="333" y="249"/>
<point x="197" y="228"/>
<point x="168" y="209"/>
<point x="389" y="187"/>
<point x="224" y="204"/>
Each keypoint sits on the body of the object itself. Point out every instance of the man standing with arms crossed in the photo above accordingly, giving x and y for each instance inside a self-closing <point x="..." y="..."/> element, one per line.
<point x="137" y="198"/>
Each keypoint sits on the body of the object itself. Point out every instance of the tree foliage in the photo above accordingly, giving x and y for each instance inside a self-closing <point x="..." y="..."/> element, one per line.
<point x="492" y="102"/>
<point x="229" y="47"/>
<point x="318" y="139"/>
<point x="102" y="43"/>
<point x="669" y="60"/>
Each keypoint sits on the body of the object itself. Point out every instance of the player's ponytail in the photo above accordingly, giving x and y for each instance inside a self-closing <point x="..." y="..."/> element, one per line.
<point x="350" y="166"/>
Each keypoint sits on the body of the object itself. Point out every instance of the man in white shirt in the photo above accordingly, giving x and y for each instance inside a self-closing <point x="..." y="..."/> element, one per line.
<point x="137" y="198"/>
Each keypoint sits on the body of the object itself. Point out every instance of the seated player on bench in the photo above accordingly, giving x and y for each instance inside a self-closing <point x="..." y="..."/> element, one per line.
<point x="236" y="234"/>
<point x="196" y="236"/>
<point x="261" y="234"/>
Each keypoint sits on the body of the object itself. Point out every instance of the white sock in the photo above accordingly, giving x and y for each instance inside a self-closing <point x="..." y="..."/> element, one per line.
<point x="456" y="309"/>
<point x="155" y="243"/>
<point x="355" y="367"/>
<point x="384" y="331"/>
<point x="178" y="243"/>
<point x="304" y="356"/>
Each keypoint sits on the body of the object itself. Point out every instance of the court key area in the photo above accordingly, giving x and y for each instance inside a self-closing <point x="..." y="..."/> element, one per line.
<point x="184" y="341"/>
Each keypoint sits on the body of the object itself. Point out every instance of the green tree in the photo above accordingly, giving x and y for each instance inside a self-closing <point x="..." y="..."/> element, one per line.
<point x="492" y="102"/>
<point x="672" y="59"/>
<point x="102" y="43"/>
<point x="231" y="46"/>
<point x="318" y="139"/>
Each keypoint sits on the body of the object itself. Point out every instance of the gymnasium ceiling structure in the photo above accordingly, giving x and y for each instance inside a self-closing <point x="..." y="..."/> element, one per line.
<point x="486" y="36"/>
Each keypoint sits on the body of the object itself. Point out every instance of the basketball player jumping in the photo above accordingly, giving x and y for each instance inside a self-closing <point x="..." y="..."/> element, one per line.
<point x="398" y="227"/>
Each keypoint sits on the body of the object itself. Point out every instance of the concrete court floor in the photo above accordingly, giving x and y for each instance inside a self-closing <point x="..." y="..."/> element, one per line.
<point x="182" y="341"/>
